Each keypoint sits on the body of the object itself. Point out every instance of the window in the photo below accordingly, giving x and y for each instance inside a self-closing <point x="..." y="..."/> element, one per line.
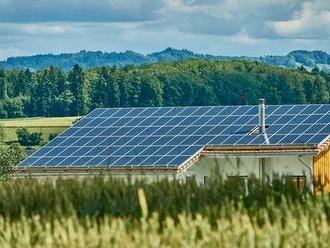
<point x="241" y="182"/>
<point x="240" y="179"/>
<point x="298" y="181"/>
<point x="190" y="179"/>
<point x="206" y="180"/>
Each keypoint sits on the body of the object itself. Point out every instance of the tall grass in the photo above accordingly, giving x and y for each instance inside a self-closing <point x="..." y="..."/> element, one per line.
<point x="103" y="212"/>
<point x="99" y="196"/>
<point x="294" y="226"/>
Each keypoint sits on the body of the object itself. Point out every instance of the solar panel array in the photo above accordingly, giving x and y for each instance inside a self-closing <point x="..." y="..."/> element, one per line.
<point x="170" y="136"/>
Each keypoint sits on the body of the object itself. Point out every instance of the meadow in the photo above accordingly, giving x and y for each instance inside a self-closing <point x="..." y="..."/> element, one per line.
<point x="105" y="211"/>
<point x="46" y="126"/>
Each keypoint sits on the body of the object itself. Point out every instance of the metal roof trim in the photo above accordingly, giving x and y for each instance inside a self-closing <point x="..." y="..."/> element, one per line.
<point x="85" y="170"/>
<point x="261" y="147"/>
<point x="263" y="153"/>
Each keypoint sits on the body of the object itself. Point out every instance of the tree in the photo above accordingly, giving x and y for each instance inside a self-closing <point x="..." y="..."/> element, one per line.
<point x="151" y="93"/>
<point x="25" y="138"/>
<point x="44" y="93"/>
<point x="204" y="95"/>
<point x="10" y="156"/>
<point x="53" y="92"/>
<point x="63" y="102"/>
<point x="123" y="90"/>
<point x="320" y="93"/>
<point x="134" y="88"/>
<point x="99" y="96"/>
<point x="106" y="92"/>
<point x="14" y="107"/>
<point x="315" y="70"/>
<point x="79" y="88"/>
<point x="112" y="89"/>
<point x="171" y="92"/>
<point x="23" y="83"/>
<point x="3" y="85"/>
<point x="3" y="112"/>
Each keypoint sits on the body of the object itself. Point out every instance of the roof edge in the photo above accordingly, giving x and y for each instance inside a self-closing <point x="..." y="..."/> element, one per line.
<point x="262" y="147"/>
<point x="324" y="144"/>
<point x="96" y="171"/>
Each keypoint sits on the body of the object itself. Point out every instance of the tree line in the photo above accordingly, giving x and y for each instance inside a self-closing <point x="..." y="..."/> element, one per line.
<point x="55" y="92"/>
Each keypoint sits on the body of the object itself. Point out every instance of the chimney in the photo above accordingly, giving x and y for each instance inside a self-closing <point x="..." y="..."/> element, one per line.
<point x="262" y="117"/>
<point x="262" y="123"/>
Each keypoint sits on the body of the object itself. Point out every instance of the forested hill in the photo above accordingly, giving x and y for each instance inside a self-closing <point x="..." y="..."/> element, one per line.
<point x="55" y="92"/>
<point x="95" y="59"/>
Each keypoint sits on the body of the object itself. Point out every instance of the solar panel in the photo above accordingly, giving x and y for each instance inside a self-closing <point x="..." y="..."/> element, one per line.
<point x="169" y="136"/>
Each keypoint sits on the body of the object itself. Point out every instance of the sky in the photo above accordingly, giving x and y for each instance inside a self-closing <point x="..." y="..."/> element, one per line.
<point x="219" y="27"/>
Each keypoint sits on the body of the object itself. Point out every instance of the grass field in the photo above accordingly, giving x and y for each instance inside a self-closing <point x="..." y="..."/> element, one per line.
<point x="45" y="125"/>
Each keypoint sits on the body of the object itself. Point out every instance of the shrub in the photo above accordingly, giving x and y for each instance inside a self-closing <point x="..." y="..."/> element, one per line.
<point x="2" y="133"/>
<point x="9" y="157"/>
<point x="25" y="138"/>
<point x="52" y="136"/>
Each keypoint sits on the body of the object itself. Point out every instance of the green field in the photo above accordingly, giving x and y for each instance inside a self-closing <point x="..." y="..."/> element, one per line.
<point x="46" y="126"/>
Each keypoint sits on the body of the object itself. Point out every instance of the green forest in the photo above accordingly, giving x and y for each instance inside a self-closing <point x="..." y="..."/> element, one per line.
<point x="54" y="92"/>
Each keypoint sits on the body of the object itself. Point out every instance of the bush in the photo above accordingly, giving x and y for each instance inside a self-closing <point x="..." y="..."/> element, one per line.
<point x="52" y="136"/>
<point x="2" y="133"/>
<point x="25" y="138"/>
<point x="9" y="157"/>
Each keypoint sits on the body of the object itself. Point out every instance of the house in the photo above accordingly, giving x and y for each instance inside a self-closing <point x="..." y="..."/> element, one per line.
<point x="290" y="140"/>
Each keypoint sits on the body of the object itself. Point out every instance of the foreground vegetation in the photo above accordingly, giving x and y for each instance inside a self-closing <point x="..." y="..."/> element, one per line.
<point x="103" y="212"/>
<point x="240" y="230"/>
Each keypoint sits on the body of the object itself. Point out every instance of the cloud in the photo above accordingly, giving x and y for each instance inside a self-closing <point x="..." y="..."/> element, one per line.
<point x="311" y="22"/>
<point x="230" y="27"/>
<point x="78" y="10"/>
<point x="258" y="19"/>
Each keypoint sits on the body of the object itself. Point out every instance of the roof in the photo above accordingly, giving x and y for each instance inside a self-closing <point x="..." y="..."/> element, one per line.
<point x="172" y="137"/>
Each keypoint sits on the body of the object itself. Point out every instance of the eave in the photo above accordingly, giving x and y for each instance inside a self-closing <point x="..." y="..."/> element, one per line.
<point x="254" y="150"/>
<point x="67" y="171"/>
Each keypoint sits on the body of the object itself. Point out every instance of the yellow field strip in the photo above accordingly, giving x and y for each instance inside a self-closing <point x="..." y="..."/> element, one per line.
<point x="39" y="122"/>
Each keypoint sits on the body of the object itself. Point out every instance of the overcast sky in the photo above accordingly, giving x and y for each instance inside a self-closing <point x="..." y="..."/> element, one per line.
<point x="221" y="27"/>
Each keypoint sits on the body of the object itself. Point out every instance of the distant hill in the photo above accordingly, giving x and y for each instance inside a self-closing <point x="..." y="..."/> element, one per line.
<point x="308" y="59"/>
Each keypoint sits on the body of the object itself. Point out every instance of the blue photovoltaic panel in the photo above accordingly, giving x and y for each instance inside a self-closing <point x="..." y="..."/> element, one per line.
<point x="169" y="136"/>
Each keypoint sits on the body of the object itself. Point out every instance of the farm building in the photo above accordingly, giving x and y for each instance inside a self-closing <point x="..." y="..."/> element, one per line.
<point x="235" y="141"/>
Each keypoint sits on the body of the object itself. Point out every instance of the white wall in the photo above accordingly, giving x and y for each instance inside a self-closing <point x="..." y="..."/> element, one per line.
<point x="289" y="165"/>
<point x="231" y="166"/>
<point x="249" y="165"/>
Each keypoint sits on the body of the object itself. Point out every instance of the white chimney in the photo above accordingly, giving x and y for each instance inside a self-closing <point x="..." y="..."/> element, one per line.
<point x="262" y="123"/>
<point x="262" y="117"/>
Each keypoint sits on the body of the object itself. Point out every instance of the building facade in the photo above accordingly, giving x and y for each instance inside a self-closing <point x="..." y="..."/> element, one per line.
<point x="185" y="142"/>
